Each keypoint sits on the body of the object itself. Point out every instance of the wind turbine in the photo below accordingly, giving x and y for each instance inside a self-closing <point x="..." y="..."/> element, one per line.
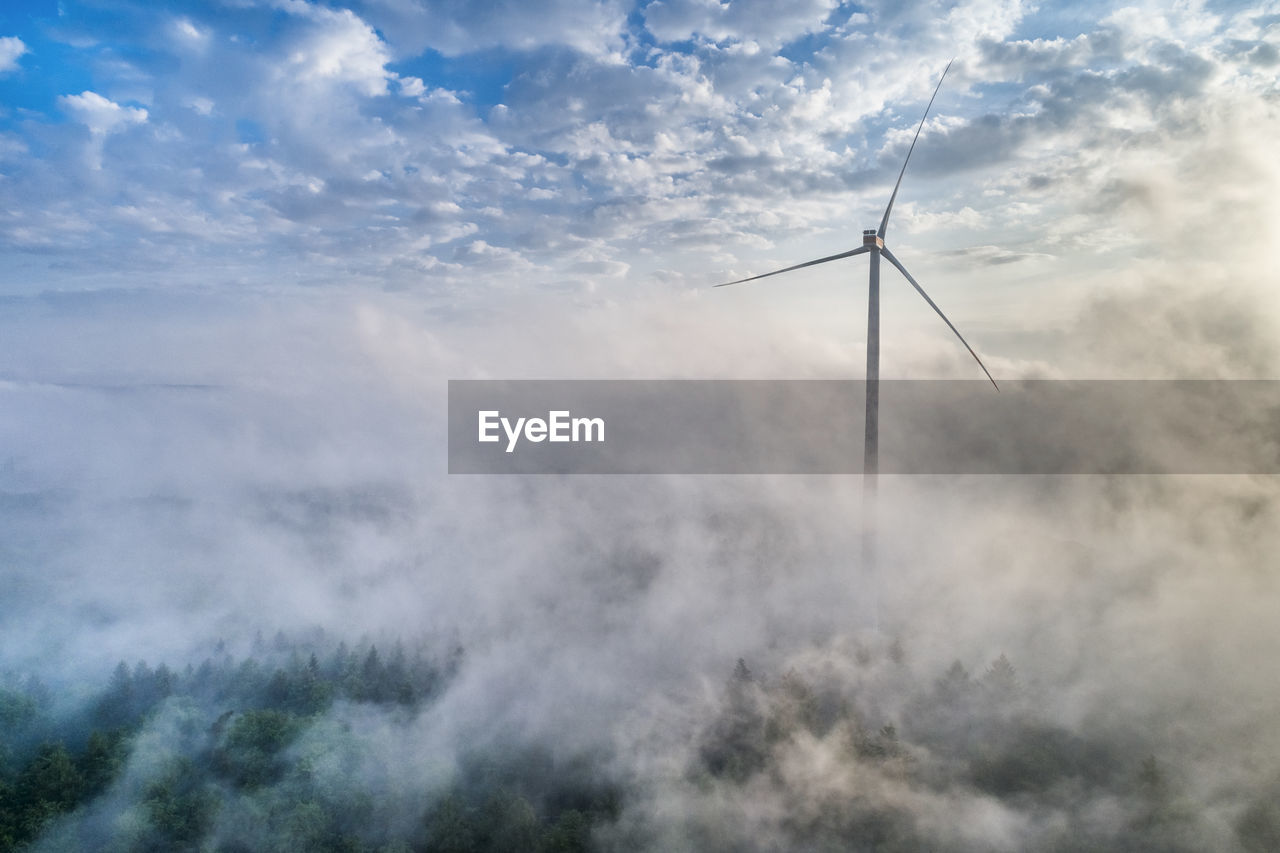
<point x="873" y="244"/>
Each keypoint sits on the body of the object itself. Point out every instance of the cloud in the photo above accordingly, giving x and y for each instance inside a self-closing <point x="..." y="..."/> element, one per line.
<point x="1265" y="55"/>
<point x="195" y="37"/>
<point x="317" y="96"/>
<point x="288" y="143"/>
<point x="768" y="24"/>
<point x="11" y="50"/>
<point x="339" y="49"/>
<point x="1028" y="57"/>
<point x="995" y="255"/>
<point x="101" y="115"/>
<point x="455" y="27"/>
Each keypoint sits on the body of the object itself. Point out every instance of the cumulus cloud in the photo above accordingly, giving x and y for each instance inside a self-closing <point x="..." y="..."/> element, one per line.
<point x="339" y="49"/>
<point x="760" y="22"/>
<point x="101" y="115"/>
<point x="458" y="27"/>
<point x="604" y="140"/>
<point x="11" y="50"/>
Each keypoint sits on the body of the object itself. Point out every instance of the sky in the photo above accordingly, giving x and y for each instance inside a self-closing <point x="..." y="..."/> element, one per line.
<point x="480" y="150"/>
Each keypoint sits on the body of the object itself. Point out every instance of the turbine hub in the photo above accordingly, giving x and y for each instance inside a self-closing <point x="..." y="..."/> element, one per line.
<point x="869" y="238"/>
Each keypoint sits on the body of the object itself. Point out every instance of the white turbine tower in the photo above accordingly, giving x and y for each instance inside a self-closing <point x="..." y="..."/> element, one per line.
<point x="873" y="244"/>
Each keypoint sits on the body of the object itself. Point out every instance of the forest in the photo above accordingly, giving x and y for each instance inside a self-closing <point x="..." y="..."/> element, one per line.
<point x="229" y="778"/>
<point x="259" y="753"/>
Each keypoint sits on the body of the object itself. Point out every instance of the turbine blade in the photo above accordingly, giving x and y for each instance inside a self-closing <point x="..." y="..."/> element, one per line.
<point x="934" y="306"/>
<point x="848" y="254"/>
<point x="884" y="223"/>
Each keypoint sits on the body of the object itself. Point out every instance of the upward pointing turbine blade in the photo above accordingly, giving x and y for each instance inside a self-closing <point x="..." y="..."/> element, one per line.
<point x="934" y="306"/>
<point x="884" y="223"/>
<point x="848" y="254"/>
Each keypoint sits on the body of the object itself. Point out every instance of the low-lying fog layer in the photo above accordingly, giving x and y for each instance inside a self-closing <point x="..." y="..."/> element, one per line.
<point x="653" y="662"/>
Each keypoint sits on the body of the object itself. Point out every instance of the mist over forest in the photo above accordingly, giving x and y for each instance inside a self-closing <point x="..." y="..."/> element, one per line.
<point x="305" y="636"/>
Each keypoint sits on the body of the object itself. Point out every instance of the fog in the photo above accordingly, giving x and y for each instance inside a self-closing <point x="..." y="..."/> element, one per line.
<point x="262" y="466"/>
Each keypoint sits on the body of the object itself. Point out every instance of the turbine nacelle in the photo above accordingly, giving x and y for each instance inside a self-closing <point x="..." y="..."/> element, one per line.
<point x="871" y="238"/>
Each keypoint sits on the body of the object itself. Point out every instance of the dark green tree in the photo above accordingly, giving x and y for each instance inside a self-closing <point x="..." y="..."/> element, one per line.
<point x="508" y="822"/>
<point x="249" y="755"/>
<point x="450" y="827"/>
<point x="180" y="806"/>
<point x="101" y="760"/>
<point x="49" y="785"/>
